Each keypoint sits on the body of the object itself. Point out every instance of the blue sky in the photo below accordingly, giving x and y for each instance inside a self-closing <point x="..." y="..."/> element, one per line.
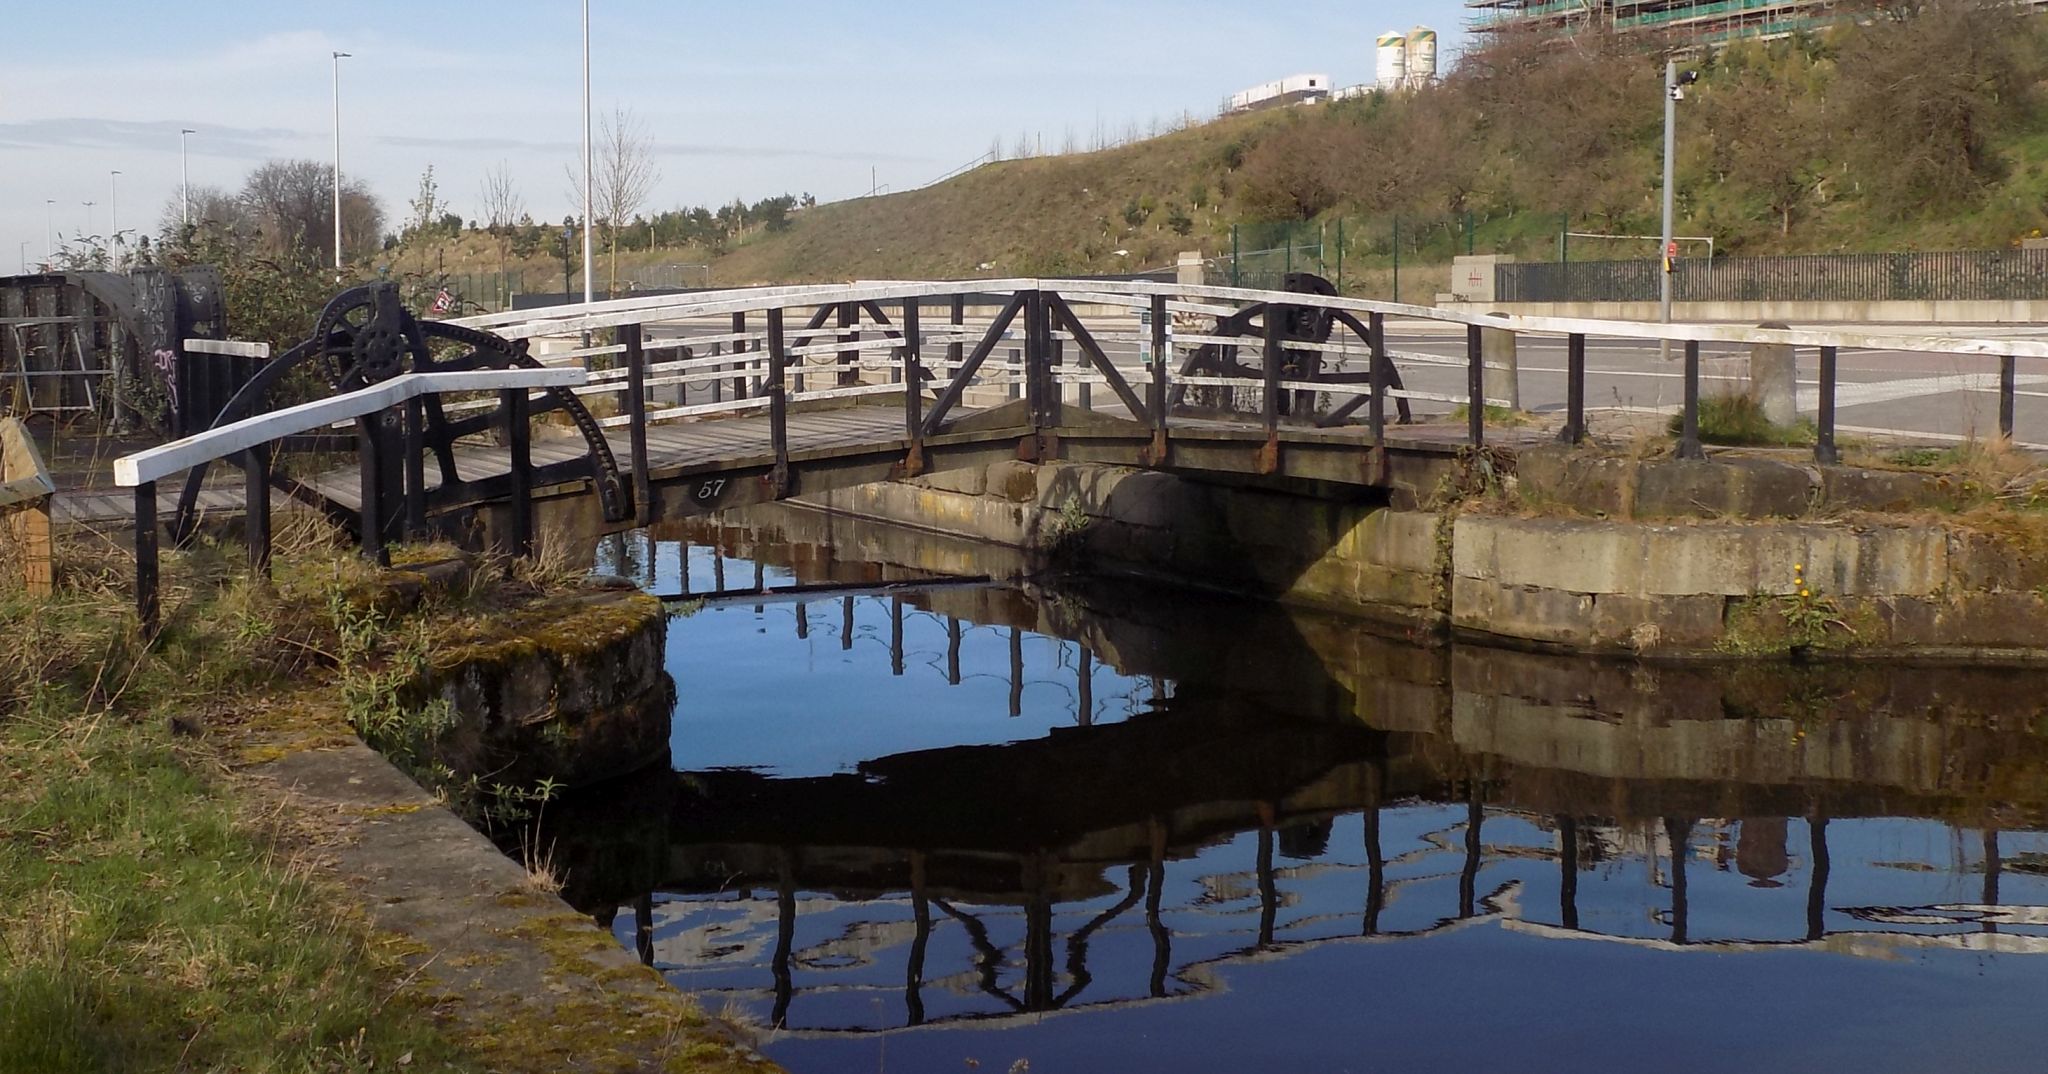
<point x="744" y="100"/>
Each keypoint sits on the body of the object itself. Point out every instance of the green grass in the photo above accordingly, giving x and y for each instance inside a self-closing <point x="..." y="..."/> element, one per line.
<point x="152" y="921"/>
<point x="1738" y="421"/>
<point x="153" y="927"/>
<point x="1495" y="415"/>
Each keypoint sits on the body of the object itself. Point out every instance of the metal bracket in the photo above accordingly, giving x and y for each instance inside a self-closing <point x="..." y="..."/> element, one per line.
<point x="1269" y="456"/>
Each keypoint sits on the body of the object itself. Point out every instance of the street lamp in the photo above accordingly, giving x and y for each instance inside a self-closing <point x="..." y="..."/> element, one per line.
<point x="587" y="288"/>
<point x="50" y="231"/>
<point x="185" y="173"/>
<point x="88" y="215"/>
<point x="24" y="257"/>
<point x="1674" y="92"/>
<point x="338" y="57"/>
<point x="113" y="206"/>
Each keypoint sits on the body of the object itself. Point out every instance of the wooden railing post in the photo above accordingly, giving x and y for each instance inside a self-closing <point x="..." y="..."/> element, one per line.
<point x="739" y="347"/>
<point x="256" y="514"/>
<point x="370" y="449"/>
<point x="1376" y="404"/>
<point x="519" y="441"/>
<point x="412" y="439"/>
<point x="2008" y="379"/>
<point x="913" y="388"/>
<point x="1689" y="425"/>
<point x="1574" y="431"/>
<point x="632" y="337"/>
<point x="849" y="359"/>
<point x="1824" y="442"/>
<point x="146" y="607"/>
<point x="956" y="351"/>
<point x="1160" y="362"/>
<point x="1475" y="386"/>
<point x="1038" y="361"/>
<point x="1269" y="401"/>
<point x="778" y="405"/>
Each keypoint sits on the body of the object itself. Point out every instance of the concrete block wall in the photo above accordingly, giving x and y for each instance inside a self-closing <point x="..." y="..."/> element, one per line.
<point x="1640" y="587"/>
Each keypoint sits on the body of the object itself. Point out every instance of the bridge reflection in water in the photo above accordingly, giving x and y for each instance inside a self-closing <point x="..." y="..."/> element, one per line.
<point x="1138" y="795"/>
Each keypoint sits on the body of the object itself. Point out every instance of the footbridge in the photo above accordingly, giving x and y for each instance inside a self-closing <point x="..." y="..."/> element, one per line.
<point x="633" y="411"/>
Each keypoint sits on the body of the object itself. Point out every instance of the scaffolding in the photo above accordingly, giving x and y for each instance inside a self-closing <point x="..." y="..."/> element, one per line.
<point x="1704" y="22"/>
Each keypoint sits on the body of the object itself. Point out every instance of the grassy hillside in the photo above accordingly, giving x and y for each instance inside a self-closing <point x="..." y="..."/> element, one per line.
<point x="1922" y="127"/>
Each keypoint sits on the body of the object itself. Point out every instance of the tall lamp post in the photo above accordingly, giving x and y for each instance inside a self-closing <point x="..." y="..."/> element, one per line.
<point x="587" y="278"/>
<point x="113" y="206"/>
<point x="338" y="57"/>
<point x="185" y="173"/>
<point x="1674" y="92"/>
<point x="49" y="231"/>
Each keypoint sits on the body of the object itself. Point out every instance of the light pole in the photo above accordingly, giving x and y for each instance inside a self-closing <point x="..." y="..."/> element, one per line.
<point x="50" y="231"/>
<point x="113" y="206"/>
<point x="185" y="173"/>
<point x="88" y="215"/>
<point x="1674" y="92"/>
<point x="587" y="277"/>
<point x="338" y="57"/>
<point x="24" y="257"/>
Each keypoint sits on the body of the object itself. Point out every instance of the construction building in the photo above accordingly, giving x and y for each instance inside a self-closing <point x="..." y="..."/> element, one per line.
<point x="1706" y="22"/>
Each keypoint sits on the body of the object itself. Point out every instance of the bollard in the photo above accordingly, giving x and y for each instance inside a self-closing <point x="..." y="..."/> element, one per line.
<point x="1503" y="372"/>
<point x="1773" y="379"/>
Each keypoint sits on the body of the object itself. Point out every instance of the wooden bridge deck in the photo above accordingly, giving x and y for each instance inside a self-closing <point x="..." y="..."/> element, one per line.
<point x="684" y="450"/>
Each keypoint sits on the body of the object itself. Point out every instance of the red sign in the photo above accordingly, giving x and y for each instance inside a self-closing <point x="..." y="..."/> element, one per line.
<point x="1671" y="249"/>
<point x="444" y="301"/>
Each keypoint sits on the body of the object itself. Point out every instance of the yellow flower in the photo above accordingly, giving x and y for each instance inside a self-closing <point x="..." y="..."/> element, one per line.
<point x="1805" y="593"/>
<point x="1799" y="566"/>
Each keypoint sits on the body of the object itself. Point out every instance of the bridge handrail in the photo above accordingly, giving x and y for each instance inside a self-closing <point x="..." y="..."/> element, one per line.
<point x="579" y="318"/>
<point x="154" y="464"/>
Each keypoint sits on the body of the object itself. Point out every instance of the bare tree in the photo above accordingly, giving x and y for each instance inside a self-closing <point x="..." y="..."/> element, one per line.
<point x="426" y="206"/>
<point x="502" y="203"/>
<point x="211" y="207"/>
<point x="623" y="174"/>
<point x="502" y="207"/>
<point x="290" y="205"/>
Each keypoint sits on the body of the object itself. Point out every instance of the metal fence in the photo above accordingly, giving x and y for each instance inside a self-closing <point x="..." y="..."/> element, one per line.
<point x="1957" y="276"/>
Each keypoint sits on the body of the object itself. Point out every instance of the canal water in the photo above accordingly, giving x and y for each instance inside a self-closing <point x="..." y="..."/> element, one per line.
<point x="919" y="823"/>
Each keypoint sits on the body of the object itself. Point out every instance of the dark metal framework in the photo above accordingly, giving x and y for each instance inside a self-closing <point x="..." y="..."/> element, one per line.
<point x="365" y="336"/>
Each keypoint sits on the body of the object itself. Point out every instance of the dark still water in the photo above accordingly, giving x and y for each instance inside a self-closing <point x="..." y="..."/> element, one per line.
<point x="1123" y="829"/>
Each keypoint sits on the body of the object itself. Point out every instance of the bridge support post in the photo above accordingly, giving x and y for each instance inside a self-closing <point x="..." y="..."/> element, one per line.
<point x="519" y="442"/>
<point x="1574" y="431"/>
<point x="256" y="516"/>
<point x="1160" y="361"/>
<point x="146" y="607"/>
<point x="739" y="347"/>
<point x="1275" y="317"/>
<point x="412" y="440"/>
<point x="2008" y="378"/>
<point x="370" y="520"/>
<point x="1475" y="386"/>
<point x="1824" y="442"/>
<point x="913" y="388"/>
<point x="778" y="406"/>
<point x="1376" y="383"/>
<point x="849" y="360"/>
<point x="1689" y="427"/>
<point x="632" y="337"/>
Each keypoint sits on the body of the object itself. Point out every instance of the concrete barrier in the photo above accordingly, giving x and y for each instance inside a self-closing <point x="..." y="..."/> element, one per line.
<point x="1930" y="312"/>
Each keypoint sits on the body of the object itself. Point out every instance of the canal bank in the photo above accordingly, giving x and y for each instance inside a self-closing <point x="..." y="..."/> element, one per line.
<point x="1741" y="557"/>
<point x="207" y="866"/>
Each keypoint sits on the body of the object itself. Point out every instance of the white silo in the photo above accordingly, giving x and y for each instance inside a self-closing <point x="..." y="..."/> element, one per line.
<point x="1421" y="56"/>
<point x="1391" y="70"/>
